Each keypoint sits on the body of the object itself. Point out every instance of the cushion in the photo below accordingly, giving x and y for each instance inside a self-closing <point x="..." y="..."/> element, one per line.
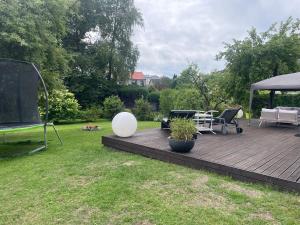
<point x="284" y="111"/>
<point x="289" y="108"/>
<point x="269" y="114"/>
<point x="288" y="116"/>
<point x="269" y="110"/>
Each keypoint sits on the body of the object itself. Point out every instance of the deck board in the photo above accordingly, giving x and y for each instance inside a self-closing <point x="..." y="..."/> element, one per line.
<point x="269" y="154"/>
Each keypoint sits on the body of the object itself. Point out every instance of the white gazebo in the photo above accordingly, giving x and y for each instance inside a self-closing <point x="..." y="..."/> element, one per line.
<point x="286" y="82"/>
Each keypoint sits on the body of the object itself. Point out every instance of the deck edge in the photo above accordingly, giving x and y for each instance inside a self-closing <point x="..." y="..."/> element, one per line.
<point x="185" y="160"/>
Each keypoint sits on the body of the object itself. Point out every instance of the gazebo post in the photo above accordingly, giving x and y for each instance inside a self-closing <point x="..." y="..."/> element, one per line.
<point x="272" y="94"/>
<point x="250" y="105"/>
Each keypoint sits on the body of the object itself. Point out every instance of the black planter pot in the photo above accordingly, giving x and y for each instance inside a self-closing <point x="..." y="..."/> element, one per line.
<point x="181" y="146"/>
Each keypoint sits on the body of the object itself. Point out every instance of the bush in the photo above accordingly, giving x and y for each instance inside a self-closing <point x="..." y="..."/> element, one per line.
<point x="129" y="94"/>
<point x="91" y="114"/>
<point x="111" y="106"/>
<point x="62" y="106"/>
<point x="179" y="99"/>
<point x="187" y="99"/>
<point x="154" y="97"/>
<point x="127" y="110"/>
<point x="166" y="101"/>
<point x="182" y="129"/>
<point x="142" y="110"/>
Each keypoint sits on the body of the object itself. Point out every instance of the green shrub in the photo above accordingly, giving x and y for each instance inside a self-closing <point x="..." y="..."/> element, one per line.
<point x="91" y="114"/>
<point x="182" y="129"/>
<point x="62" y="106"/>
<point x="111" y="106"/>
<point x="179" y="99"/>
<point x="127" y="110"/>
<point x="187" y="99"/>
<point x="142" y="110"/>
<point x="154" y="97"/>
<point x="128" y="94"/>
<point x="166" y="101"/>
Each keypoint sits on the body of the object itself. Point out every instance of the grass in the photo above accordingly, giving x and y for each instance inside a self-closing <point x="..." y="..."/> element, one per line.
<point x="83" y="182"/>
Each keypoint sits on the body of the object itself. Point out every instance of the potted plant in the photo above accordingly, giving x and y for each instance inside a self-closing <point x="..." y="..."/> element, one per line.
<point x="182" y="137"/>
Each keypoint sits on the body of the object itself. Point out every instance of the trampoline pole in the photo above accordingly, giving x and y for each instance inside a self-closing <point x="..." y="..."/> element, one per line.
<point x="57" y="134"/>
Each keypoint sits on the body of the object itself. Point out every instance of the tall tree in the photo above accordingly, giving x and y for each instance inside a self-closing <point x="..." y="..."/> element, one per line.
<point x="100" y="39"/>
<point x="210" y="86"/>
<point x="260" y="56"/>
<point x="32" y="30"/>
<point x="116" y="22"/>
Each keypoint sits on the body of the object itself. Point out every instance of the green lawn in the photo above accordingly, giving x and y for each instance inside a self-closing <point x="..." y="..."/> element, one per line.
<point x="83" y="182"/>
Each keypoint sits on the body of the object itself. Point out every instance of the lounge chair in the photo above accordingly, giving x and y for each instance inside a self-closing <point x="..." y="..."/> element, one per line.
<point x="227" y="118"/>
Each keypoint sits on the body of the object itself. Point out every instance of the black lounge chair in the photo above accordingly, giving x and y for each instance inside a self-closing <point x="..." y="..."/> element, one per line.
<point x="227" y="118"/>
<point x="19" y="83"/>
<point x="188" y="114"/>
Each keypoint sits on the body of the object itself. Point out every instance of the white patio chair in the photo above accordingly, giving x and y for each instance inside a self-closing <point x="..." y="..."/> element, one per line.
<point x="288" y="116"/>
<point x="268" y="115"/>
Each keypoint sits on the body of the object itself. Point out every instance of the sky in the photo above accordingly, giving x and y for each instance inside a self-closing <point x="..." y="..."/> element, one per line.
<point x="179" y="32"/>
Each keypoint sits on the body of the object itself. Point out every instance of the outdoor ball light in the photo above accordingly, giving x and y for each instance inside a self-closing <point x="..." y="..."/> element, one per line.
<point x="240" y="114"/>
<point x="124" y="124"/>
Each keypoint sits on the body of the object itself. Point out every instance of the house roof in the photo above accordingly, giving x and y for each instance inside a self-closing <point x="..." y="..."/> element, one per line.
<point x="152" y="77"/>
<point x="137" y="76"/>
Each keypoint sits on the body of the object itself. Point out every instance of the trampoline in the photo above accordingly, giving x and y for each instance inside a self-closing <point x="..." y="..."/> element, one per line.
<point x="19" y="86"/>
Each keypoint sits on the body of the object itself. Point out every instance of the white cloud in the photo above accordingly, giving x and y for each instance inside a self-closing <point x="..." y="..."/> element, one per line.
<point x="180" y="31"/>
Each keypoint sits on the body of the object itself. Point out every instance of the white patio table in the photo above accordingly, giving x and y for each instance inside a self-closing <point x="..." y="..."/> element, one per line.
<point x="203" y="118"/>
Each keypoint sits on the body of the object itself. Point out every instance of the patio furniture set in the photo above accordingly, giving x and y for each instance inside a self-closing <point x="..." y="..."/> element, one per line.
<point x="205" y="121"/>
<point x="287" y="115"/>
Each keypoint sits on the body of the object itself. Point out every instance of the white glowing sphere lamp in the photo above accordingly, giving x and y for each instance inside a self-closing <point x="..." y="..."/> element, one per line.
<point x="124" y="124"/>
<point x="240" y="114"/>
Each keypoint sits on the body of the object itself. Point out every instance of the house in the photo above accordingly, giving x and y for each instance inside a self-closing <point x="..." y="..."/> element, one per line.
<point x="151" y="79"/>
<point x="140" y="79"/>
<point x="137" y="78"/>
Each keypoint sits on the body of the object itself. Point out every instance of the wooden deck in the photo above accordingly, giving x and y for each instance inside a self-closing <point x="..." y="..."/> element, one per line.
<point x="269" y="155"/>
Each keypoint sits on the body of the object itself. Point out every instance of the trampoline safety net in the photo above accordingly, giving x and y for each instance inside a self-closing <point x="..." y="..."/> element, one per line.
<point x="18" y="94"/>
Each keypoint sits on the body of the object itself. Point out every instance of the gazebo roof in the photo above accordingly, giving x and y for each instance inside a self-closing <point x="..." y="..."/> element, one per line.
<point x="282" y="82"/>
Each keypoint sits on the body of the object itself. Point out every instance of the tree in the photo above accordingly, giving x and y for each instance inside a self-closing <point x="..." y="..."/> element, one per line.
<point x="162" y="83"/>
<point x="111" y="23"/>
<point x="109" y="55"/>
<point x="260" y="56"/>
<point x="32" y="31"/>
<point x="209" y="86"/>
<point x="116" y="21"/>
<point x="166" y="103"/>
<point x="73" y="40"/>
<point x="187" y="99"/>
